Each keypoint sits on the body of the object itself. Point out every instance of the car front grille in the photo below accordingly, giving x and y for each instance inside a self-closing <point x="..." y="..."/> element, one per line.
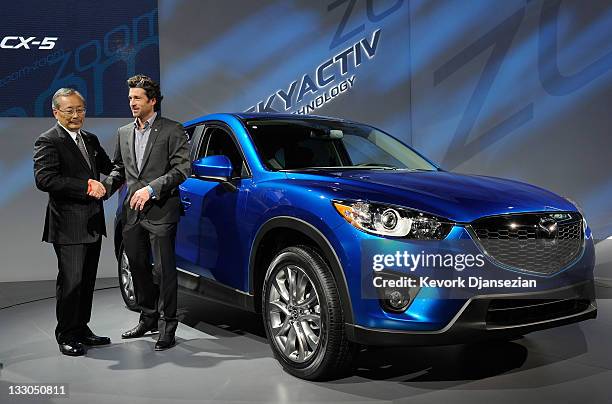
<point x="542" y="243"/>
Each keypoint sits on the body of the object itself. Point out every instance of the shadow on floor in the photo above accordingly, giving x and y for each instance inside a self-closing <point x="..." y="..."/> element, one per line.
<point x="451" y="365"/>
<point x="220" y="320"/>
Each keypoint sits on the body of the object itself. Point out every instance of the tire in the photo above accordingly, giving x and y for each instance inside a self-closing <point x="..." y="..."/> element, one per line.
<point x="126" y="285"/>
<point x="303" y="316"/>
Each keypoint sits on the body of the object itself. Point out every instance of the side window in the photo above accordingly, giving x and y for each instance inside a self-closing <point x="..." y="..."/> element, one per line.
<point x="189" y="132"/>
<point x="194" y="133"/>
<point x="203" y="144"/>
<point x="219" y="142"/>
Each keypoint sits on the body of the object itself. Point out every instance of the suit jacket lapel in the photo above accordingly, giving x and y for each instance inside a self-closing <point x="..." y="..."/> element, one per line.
<point x="155" y="128"/>
<point x="130" y="133"/>
<point x="72" y="145"/>
<point x="91" y="152"/>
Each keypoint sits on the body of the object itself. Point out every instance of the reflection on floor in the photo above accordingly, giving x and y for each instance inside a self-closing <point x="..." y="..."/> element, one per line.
<point x="222" y="356"/>
<point x="14" y="293"/>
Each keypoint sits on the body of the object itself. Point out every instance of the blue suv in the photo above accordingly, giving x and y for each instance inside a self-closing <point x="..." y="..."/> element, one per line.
<point x="281" y="210"/>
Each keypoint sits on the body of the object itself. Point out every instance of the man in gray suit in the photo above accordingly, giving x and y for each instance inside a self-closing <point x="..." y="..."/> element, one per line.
<point x="152" y="157"/>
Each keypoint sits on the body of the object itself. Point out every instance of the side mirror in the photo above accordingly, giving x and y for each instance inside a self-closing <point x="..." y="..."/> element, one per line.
<point x="216" y="168"/>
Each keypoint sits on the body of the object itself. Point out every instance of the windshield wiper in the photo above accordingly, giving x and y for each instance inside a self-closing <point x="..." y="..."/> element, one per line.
<point x="418" y="169"/>
<point x="372" y="167"/>
<point x="376" y="166"/>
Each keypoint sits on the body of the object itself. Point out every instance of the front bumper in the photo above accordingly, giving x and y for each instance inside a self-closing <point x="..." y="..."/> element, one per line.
<point x="433" y="309"/>
<point x="494" y="317"/>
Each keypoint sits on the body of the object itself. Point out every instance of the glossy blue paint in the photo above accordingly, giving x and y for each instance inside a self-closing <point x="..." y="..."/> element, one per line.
<point x="212" y="166"/>
<point x="216" y="236"/>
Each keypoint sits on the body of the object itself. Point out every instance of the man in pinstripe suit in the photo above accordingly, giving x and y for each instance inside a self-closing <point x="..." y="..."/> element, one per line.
<point x="67" y="165"/>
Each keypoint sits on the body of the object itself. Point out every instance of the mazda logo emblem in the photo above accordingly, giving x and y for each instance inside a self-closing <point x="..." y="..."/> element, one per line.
<point x="548" y="228"/>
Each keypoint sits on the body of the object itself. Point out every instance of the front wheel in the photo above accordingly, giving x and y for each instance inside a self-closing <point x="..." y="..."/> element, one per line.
<point x="303" y="316"/>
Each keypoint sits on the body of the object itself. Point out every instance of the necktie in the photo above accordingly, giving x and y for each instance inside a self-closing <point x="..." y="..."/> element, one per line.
<point x="81" y="145"/>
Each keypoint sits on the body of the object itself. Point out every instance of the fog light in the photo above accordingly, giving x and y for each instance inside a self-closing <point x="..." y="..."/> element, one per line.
<point x="394" y="294"/>
<point x="396" y="300"/>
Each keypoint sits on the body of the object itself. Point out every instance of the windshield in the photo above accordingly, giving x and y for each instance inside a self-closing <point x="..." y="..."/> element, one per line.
<point x="303" y="144"/>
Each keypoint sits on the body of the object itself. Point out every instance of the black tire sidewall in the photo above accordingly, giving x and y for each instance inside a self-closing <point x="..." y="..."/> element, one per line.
<point x="300" y="257"/>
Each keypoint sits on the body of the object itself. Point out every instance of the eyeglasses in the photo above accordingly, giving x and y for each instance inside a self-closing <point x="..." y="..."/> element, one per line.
<point x="70" y="112"/>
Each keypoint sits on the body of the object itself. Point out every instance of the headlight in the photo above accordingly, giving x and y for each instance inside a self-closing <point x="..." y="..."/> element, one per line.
<point x="392" y="221"/>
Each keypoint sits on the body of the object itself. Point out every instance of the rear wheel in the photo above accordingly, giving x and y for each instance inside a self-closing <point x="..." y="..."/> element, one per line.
<point x="303" y="316"/>
<point x="126" y="284"/>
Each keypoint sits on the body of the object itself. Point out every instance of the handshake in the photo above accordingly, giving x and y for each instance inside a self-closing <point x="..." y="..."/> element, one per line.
<point x="95" y="189"/>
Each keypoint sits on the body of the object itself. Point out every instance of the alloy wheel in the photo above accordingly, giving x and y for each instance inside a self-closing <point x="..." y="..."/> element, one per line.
<point x="127" y="284"/>
<point x="294" y="314"/>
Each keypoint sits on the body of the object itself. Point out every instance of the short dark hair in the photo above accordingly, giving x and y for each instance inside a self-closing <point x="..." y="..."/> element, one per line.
<point x="150" y="86"/>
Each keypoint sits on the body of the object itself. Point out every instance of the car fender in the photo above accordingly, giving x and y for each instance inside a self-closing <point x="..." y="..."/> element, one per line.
<point x="323" y="243"/>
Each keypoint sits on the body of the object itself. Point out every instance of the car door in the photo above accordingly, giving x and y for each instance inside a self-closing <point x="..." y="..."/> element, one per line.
<point x="188" y="231"/>
<point x="213" y="244"/>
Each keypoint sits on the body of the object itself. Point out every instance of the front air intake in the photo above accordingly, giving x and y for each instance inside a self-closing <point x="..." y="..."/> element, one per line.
<point x="542" y="243"/>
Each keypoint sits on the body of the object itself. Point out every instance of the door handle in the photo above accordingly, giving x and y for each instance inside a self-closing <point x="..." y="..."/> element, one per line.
<point x="186" y="202"/>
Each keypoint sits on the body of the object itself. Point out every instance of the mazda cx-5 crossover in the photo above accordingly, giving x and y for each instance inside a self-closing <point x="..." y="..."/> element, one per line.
<point x="307" y="220"/>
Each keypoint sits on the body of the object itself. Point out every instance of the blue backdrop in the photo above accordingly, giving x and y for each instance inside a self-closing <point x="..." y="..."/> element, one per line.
<point x="92" y="46"/>
<point x="519" y="89"/>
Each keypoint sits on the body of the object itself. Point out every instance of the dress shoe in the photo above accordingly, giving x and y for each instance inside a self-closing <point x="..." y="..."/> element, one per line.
<point x="138" y="331"/>
<point x="164" y="343"/>
<point x="94" y="340"/>
<point x="72" y="348"/>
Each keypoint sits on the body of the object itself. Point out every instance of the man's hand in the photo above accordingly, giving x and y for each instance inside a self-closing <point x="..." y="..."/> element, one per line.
<point x="139" y="198"/>
<point x="95" y="189"/>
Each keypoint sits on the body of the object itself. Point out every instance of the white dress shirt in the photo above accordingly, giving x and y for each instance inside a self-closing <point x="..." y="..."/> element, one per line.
<point x="73" y="135"/>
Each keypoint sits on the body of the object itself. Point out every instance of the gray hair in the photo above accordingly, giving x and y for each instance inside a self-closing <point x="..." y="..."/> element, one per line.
<point x="64" y="92"/>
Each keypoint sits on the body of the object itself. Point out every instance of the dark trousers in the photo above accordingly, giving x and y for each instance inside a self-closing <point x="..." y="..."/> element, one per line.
<point x="156" y="301"/>
<point x="78" y="266"/>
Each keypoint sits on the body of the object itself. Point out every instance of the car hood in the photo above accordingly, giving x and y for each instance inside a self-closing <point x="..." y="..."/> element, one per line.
<point x="458" y="197"/>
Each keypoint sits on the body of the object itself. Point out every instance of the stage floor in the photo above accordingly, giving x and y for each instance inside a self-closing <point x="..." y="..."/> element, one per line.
<point x="222" y="356"/>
